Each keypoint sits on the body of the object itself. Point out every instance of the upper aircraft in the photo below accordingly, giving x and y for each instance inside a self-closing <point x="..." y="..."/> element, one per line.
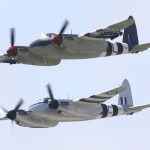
<point x="51" y="48"/>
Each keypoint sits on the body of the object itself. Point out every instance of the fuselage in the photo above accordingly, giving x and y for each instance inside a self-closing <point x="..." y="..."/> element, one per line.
<point x="42" y="116"/>
<point x="44" y="52"/>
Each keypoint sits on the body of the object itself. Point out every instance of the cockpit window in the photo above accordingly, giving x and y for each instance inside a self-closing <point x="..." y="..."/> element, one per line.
<point x="46" y="100"/>
<point x="51" y="35"/>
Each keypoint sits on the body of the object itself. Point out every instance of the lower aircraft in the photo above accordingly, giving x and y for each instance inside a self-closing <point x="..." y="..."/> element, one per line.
<point x="51" y="48"/>
<point x="50" y="111"/>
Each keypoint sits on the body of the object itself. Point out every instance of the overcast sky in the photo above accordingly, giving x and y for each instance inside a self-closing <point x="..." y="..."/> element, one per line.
<point x="75" y="78"/>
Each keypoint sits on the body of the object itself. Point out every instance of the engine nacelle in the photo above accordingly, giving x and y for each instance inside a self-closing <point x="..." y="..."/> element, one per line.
<point x="116" y="49"/>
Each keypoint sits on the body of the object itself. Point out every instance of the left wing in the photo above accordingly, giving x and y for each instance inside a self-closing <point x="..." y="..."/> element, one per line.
<point x="101" y="98"/>
<point x="112" y="31"/>
<point x="6" y="59"/>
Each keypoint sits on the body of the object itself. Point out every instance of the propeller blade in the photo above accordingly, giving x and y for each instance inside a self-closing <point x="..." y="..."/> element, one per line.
<point x="3" y="113"/>
<point x="12" y="36"/>
<point x="3" y="109"/>
<point x="64" y="27"/>
<point x="12" y="123"/>
<point x="21" y="101"/>
<point x="50" y="92"/>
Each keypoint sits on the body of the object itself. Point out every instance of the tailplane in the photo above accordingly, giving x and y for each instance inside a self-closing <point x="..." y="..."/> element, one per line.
<point x="126" y="101"/>
<point x="125" y="97"/>
<point x="137" y="109"/>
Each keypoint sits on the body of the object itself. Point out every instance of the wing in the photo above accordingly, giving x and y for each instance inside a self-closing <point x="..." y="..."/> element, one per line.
<point x="101" y="98"/>
<point x="112" y="31"/>
<point x="3" y="118"/>
<point x="6" y="59"/>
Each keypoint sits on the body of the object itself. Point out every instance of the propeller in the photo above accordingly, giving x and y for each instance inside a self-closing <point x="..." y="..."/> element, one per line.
<point x="3" y="109"/>
<point x="50" y="92"/>
<point x="12" y="51"/>
<point x="64" y="26"/>
<point x="12" y="36"/>
<point x="59" y="38"/>
<point x="13" y="113"/>
<point x="3" y="113"/>
<point x="53" y="104"/>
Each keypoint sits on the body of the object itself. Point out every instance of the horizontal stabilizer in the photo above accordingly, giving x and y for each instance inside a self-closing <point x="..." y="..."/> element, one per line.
<point x="140" y="48"/>
<point x="137" y="108"/>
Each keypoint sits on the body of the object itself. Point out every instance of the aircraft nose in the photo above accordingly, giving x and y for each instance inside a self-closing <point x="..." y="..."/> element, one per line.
<point x="12" y="51"/>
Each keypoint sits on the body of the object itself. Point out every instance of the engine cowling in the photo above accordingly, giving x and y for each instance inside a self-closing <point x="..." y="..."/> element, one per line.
<point x="54" y="104"/>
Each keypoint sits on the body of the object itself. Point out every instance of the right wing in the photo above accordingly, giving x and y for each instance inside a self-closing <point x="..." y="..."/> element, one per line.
<point x="112" y="31"/>
<point x="102" y="97"/>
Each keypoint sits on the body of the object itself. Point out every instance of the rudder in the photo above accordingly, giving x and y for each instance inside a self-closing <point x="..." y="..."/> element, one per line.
<point x="125" y="97"/>
<point x="130" y="35"/>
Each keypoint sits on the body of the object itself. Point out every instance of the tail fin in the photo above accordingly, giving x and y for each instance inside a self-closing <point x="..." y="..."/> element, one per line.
<point x="125" y="97"/>
<point x="130" y="35"/>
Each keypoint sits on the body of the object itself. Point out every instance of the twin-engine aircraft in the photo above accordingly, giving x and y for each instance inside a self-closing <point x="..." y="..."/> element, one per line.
<point x="51" y="48"/>
<point x="50" y="111"/>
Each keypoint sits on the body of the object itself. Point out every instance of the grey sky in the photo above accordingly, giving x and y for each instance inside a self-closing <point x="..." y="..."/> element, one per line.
<point x="78" y="78"/>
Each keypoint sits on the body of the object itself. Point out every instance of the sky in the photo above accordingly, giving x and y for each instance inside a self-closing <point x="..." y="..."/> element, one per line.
<point x="75" y="78"/>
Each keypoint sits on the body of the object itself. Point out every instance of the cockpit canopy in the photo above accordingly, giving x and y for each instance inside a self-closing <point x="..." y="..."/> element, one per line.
<point x="46" y="39"/>
<point x="46" y="100"/>
<point x="51" y="35"/>
<point x="40" y="43"/>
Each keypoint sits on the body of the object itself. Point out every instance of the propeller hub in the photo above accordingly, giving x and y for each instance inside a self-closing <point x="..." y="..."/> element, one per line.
<point x="54" y="104"/>
<point x="12" y="51"/>
<point x="57" y="39"/>
<point x="11" y="115"/>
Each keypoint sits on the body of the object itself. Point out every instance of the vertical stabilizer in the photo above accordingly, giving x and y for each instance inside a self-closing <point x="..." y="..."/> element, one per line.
<point x="125" y="97"/>
<point x="130" y="35"/>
